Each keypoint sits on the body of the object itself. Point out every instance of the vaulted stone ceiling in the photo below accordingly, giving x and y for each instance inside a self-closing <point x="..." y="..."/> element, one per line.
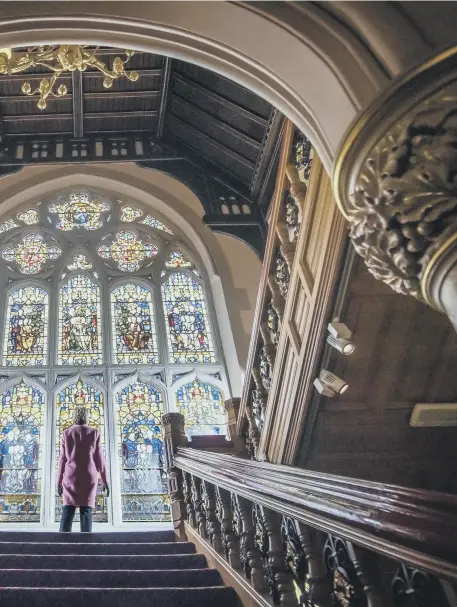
<point x="209" y="132"/>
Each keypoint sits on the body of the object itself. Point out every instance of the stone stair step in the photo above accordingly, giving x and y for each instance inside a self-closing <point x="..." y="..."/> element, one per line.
<point x="61" y="578"/>
<point x="54" y="548"/>
<point x="79" y="561"/>
<point x="125" y="597"/>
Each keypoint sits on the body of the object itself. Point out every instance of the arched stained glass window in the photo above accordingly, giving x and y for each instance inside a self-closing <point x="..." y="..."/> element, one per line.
<point x="26" y="328"/>
<point x="80" y="394"/>
<point x="143" y="482"/>
<point x="21" y="427"/>
<point x="102" y="292"/>
<point x="134" y="332"/>
<point x="202" y="407"/>
<point x="80" y="340"/>
<point x="188" y="331"/>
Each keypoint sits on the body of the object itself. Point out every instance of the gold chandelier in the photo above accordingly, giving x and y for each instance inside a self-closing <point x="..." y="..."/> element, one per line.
<point x="59" y="59"/>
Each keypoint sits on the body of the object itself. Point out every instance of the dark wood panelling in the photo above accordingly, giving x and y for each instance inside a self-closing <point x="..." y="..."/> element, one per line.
<point x="405" y="353"/>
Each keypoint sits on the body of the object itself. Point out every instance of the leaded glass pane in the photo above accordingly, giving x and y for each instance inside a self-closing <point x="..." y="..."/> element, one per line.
<point x="29" y="217"/>
<point x="76" y="395"/>
<point x="134" y="333"/>
<point x="143" y="481"/>
<point x="81" y="210"/>
<point x="79" y="262"/>
<point x="177" y="260"/>
<point x="129" y="214"/>
<point x="202" y="407"/>
<point x="8" y="225"/>
<point x="128" y="251"/>
<point x="155" y="223"/>
<point x="80" y="339"/>
<point x="21" y="421"/>
<point x="26" y="328"/>
<point x="32" y="253"/>
<point x="188" y="331"/>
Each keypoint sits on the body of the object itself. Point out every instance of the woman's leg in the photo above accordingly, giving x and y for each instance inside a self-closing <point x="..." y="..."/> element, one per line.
<point x="68" y="513"/>
<point x="85" y="515"/>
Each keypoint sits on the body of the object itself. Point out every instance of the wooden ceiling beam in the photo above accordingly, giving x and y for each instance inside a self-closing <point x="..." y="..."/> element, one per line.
<point x="78" y="105"/>
<point x="223" y="126"/>
<point x="126" y="114"/>
<point x="267" y="156"/>
<point x="219" y="99"/>
<point x="163" y="96"/>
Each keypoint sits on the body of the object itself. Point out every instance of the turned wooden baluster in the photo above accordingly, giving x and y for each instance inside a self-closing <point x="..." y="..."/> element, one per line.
<point x="254" y="434"/>
<point x="187" y="492"/>
<point x="232" y="407"/>
<point x="366" y="566"/>
<point x="174" y="437"/>
<point x="213" y="528"/>
<point x="318" y="587"/>
<point x="279" y="579"/>
<point x="230" y="542"/>
<point x="199" y="508"/>
<point x="250" y="558"/>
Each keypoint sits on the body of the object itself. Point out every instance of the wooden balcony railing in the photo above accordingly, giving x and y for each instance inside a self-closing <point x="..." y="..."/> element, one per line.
<point x="305" y="242"/>
<point x="286" y="536"/>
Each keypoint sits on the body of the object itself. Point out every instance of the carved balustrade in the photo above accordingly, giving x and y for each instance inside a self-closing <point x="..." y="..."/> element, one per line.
<point x="292" y="537"/>
<point x="285" y="219"/>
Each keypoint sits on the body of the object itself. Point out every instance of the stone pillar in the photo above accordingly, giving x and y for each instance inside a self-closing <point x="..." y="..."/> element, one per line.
<point x="174" y="437"/>
<point x="395" y="181"/>
<point x="232" y="407"/>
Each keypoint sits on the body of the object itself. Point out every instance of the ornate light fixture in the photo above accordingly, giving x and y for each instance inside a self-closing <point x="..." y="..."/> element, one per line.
<point x="59" y="59"/>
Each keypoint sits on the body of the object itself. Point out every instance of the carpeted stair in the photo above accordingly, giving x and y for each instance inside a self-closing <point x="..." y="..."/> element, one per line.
<point x="106" y="570"/>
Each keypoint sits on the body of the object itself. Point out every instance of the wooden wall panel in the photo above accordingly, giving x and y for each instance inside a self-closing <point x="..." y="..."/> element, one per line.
<point x="405" y="353"/>
<point x="314" y="276"/>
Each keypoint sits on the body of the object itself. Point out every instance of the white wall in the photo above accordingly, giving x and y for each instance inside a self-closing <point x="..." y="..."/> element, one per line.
<point x="245" y="268"/>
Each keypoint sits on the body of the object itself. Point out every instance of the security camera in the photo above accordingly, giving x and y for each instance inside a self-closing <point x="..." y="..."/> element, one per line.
<point x="340" y="337"/>
<point x="330" y="384"/>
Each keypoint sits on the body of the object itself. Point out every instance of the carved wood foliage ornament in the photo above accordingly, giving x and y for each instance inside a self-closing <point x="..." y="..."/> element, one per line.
<point x="396" y="177"/>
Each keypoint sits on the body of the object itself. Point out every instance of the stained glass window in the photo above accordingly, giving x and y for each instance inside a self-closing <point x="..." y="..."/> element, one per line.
<point x="128" y="251"/>
<point x="134" y="333"/>
<point x="79" y="211"/>
<point x="8" y="225"/>
<point x="26" y="328"/>
<point x="202" y="407"/>
<point x="81" y="394"/>
<point x="155" y="223"/>
<point x="21" y="420"/>
<point x="80" y="340"/>
<point x="129" y="214"/>
<point x="79" y="262"/>
<point x="32" y="253"/>
<point x="141" y="452"/>
<point x="177" y="260"/>
<point x="29" y="217"/>
<point x="188" y="332"/>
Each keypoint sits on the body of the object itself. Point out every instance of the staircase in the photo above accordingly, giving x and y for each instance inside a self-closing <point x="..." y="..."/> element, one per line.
<point x="106" y="570"/>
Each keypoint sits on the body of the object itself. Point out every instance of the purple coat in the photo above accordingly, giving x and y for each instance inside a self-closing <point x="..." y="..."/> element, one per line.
<point x="81" y="461"/>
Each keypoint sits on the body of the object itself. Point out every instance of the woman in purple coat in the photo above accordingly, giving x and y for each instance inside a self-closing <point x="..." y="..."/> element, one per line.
<point x="81" y="461"/>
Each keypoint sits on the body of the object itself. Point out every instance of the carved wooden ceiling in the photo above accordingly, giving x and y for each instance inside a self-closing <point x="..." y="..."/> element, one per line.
<point x="214" y="135"/>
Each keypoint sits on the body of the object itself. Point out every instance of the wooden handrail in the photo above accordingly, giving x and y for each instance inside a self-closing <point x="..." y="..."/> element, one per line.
<point x="415" y="526"/>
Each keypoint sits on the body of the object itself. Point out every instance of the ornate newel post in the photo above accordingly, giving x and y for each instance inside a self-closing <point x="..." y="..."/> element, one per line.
<point x="174" y="437"/>
<point x="232" y="407"/>
<point x="396" y="182"/>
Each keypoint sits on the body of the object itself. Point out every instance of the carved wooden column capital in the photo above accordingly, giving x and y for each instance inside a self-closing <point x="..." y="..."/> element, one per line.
<point x="396" y="182"/>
